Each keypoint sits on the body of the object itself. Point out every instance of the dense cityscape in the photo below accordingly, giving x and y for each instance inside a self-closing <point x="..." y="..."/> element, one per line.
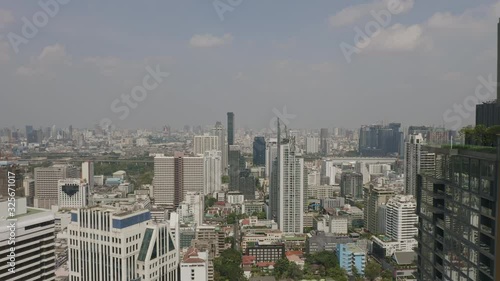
<point x="218" y="200"/>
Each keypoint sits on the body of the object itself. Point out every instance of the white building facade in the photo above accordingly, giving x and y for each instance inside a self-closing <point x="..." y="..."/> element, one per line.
<point x="212" y="179"/>
<point x="291" y="190"/>
<point x="72" y="193"/>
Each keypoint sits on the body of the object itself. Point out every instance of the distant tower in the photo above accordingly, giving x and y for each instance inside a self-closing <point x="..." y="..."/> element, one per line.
<point x="323" y="136"/>
<point x="291" y="188"/>
<point x="230" y="128"/>
<point x="220" y="132"/>
<point x="259" y="151"/>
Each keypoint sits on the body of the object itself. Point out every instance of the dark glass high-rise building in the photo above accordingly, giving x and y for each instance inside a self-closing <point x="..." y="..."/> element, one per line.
<point x="230" y="128"/>
<point x="378" y="140"/>
<point x="457" y="208"/>
<point x="247" y="184"/>
<point x="488" y="113"/>
<point x="259" y="151"/>
<point x="323" y="141"/>
<point x="234" y="160"/>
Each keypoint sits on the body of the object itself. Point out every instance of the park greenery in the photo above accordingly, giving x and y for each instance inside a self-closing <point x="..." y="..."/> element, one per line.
<point x="227" y="266"/>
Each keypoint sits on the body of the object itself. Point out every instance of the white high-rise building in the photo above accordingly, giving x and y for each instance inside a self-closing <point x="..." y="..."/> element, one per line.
<point x="361" y="168"/>
<point x="158" y="258"/>
<point x="88" y="173"/>
<point x="329" y="170"/>
<point x="104" y="243"/>
<point x="271" y="153"/>
<point x="401" y="218"/>
<point x="312" y="145"/>
<point x="192" y="208"/>
<point x="313" y="178"/>
<point x="46" y="183"/>
<point x="378" y="168"/>
<point x="175" y="176"/>
<point x="72" y="193"/>
<point x="291" y="189"/>
<point x="205" y="143"/>
<point x="212" y="171"/>
<point x="220" y="132"/>
<point x="34" y="237"/>
<point x="416" y="161"/>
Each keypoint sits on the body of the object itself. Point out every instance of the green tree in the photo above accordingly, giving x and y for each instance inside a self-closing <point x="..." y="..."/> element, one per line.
<point x="227" y="266"/>
<point x="225" y="179"/>
<point x="386" y="275"/>
<point x="281" y="267"/>
<point x="294" y="271"/>
<point x="260" y="215"/>
<point x="337" y="273"/>
<point x="373" y="270"/>
<point x="209" y="202"/>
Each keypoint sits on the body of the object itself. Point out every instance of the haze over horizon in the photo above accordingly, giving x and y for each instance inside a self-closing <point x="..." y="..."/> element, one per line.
<point x="262" y="56"/>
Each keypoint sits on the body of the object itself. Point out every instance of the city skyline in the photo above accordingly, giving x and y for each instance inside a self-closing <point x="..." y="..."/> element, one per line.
<point x="296" y="64"/>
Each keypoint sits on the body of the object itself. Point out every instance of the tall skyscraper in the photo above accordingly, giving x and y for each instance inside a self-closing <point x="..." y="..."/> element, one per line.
<point x="457" y="205"/>
<point x="212" y="171"/>
<point x="271" y="153"/>
<point x="104" y="243"/>
<point x="291" y="188"/>
<point x="46" y="183"/>
<point x="259" y="151"/>
<point x="247" y="184"/>
<point x="234" y="166"/>
<point x="379" y="140"/>
<point x="72" y="193"/>
<point x="374" y="197"/>
<point x="220" y="132"/>
<point x="88" y="173"/>
<point x="416" y="161"/>
<point x="205" y="143"/>
<point x="323" y="136"/>
<point x="29" y="134"/>
<point x="401" y="218"/>
<point x="34" y="243"/>
<point x="312" y="145"/>
<point x="351" y="185"/>
<point x="174" y="176"/>
<point x="230" y="128"/>
<point x="328" y="172"/>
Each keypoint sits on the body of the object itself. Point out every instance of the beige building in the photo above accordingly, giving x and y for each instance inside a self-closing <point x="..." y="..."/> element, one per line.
<point x="175" y="176"/>
<point x="205" y="143"/>
<point x="374" y="197"/>
<point x="46" y="183"/>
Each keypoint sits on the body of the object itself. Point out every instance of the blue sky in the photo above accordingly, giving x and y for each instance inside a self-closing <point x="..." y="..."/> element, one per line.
<point x="263" y="55"/>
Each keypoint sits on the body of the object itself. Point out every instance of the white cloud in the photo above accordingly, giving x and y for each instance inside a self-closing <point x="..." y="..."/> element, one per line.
<point x="399" y="38"/>
<point x="448" y="20"/>
<point x="107" y="65"/>
<point x="6" y="17"/>
<point x="353" y="14"/>
<point x="50" y="58"/>
<point x="209" y="40"/>
<point x="4" y="51"/>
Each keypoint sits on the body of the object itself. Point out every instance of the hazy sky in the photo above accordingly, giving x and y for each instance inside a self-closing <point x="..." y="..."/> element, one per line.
<point x="249" y="57"/>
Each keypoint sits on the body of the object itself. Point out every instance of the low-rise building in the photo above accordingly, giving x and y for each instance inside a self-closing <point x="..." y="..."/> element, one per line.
<point x="350" y="256"/>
